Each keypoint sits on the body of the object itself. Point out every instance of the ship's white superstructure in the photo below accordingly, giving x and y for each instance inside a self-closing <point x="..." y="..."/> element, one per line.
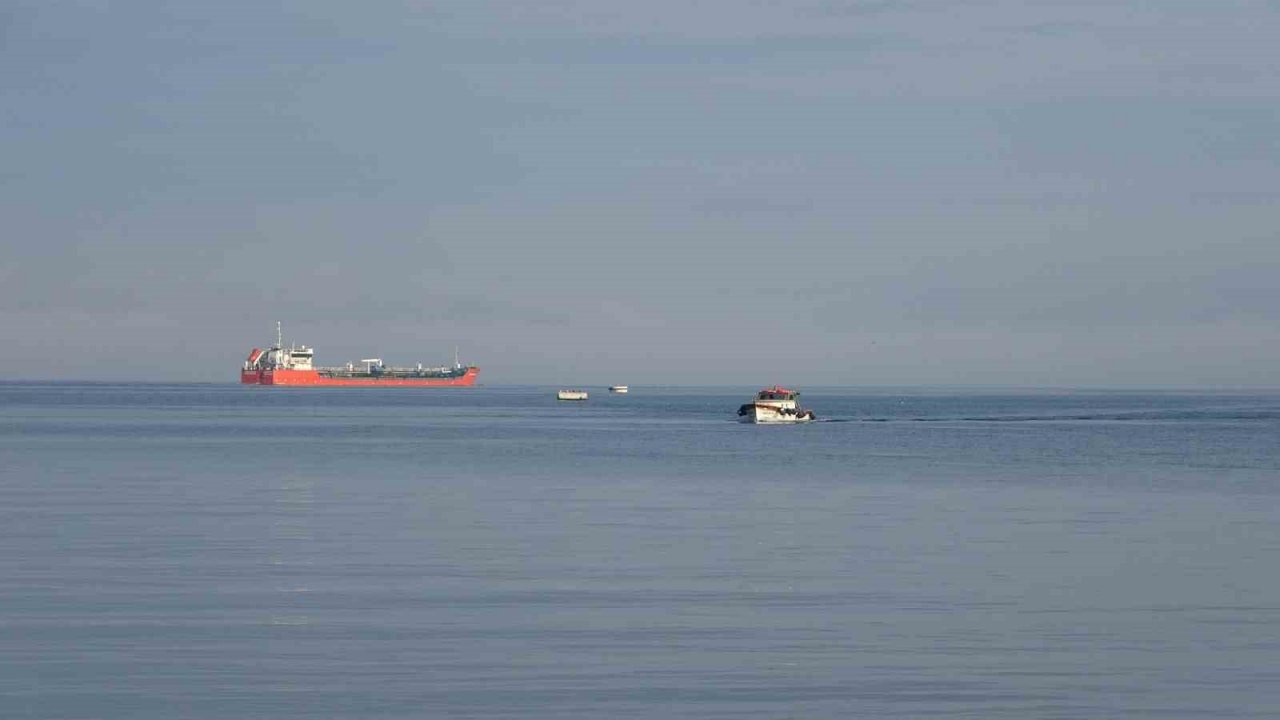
<point x="279" y="357"/>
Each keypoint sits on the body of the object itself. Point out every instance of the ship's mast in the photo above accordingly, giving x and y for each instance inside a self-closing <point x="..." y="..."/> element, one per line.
<point x="279" y="336"/>
<point x="455" y="357"/>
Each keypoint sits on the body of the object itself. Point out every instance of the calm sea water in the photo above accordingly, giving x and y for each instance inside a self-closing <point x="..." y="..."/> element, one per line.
<point x="245" y="552"/>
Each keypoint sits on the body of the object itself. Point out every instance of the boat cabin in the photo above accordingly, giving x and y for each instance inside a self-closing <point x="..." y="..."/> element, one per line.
<point x="776" y="393"/>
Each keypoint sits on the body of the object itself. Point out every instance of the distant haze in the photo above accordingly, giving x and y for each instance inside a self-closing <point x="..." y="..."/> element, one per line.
<point x="579" y="191"/>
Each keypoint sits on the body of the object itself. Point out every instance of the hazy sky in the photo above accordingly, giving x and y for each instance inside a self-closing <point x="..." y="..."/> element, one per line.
<point x="856" y="192"/>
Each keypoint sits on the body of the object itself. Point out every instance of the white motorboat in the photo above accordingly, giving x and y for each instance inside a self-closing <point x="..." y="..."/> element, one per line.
<point x="571" y="395"/>
<point x="621" y="389"/>
<point x="775" y="405"/>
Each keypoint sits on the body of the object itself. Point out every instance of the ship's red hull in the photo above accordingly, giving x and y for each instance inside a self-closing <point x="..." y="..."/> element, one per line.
<point x="314" y="378"/>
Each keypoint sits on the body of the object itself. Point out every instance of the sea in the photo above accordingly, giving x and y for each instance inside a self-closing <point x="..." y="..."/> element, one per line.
<point x="219" y="551"/>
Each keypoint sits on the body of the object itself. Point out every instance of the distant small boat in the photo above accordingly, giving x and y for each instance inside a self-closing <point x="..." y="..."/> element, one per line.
<point x="775" y="405"/>
<point x="571" y="395"/>
<point x="618" y="389"/>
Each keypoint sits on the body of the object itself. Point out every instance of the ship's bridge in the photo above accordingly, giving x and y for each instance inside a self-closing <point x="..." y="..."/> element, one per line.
<point x="296" y="358"/>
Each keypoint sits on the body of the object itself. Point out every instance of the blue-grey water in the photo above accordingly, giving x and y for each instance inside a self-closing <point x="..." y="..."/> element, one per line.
<point x="210" y="551"/>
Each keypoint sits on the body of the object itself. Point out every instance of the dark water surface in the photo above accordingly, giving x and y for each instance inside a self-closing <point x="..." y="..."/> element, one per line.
<point x="246" y="552"/>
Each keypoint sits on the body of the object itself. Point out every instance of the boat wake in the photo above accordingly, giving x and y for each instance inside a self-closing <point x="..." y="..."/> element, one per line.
<point x="1169" y="416"/>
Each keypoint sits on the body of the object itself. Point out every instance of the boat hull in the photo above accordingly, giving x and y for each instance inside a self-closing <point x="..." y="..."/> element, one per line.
<point x="769" y="415"/>
<point x="316" y="378"/>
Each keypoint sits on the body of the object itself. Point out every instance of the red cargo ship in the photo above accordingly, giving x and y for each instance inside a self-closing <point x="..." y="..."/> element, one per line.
<point x="279" y="365"/>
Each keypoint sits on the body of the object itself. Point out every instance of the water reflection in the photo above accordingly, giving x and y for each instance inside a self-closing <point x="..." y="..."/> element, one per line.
<point x="292" y="537"/>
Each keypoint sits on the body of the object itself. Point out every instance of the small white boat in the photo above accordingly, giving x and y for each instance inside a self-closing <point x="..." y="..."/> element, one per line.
<point x="618" y="389"/>
<point x="775" y="405"/>
<point x="571" y="395"/>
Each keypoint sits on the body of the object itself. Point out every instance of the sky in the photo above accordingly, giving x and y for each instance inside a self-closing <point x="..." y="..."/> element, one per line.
<point x="1026" y="193"/>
